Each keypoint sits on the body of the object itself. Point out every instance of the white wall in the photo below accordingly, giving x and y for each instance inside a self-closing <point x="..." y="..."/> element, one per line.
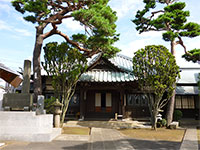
<point x="1" y="98"/>
<point x="98" y="99"/>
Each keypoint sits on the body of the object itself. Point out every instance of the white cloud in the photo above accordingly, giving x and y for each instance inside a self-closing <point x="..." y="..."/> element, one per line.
<point x="129" y="48"/>
<point x="150" y="34"/>
<point x="122" y="7"/>
<point x="23" y="32"/>
<point x="4" y="25"/>
<point x="4" y="8"/>
<point x="6" y="0"/>
<point x="72" y="25"/>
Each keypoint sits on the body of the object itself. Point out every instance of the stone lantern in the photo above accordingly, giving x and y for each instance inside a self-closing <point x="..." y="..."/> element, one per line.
<point x="57" y="111"/>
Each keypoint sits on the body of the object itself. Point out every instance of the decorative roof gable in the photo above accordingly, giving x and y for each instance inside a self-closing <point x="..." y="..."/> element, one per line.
<point x="119" y="63"/>
<point x="116" y="69"/>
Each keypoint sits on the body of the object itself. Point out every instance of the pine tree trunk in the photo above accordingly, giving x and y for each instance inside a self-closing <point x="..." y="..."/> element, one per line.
<point x="36" y="63"/>
<point x="170" y="107"/>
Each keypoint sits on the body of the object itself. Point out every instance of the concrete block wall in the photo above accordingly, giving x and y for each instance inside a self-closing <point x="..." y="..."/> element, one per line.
<point x="26" y="126"/>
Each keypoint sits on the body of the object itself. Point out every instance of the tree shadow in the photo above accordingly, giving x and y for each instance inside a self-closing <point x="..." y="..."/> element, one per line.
<point x="126" y="144"/>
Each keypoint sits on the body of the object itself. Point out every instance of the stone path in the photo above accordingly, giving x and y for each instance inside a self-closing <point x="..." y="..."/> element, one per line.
<point x="108" y="139"/>
<point x="190" y="140"/>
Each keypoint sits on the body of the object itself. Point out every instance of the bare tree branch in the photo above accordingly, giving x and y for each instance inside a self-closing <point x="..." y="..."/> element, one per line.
<point x="181" y="43"/>
<point x="156" y="12"/>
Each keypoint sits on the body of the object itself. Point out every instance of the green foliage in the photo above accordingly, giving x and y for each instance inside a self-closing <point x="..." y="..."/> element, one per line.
<point x="95" y="15"/>
<point x="101" y="19"/>
<point x="177" y="115"/>
<point x="35" y="7"/>
<point x="164" y="122"/>
<point x="193" y="55"/>
<point x="155" y="67"/>
<point x="161" y="123"/>
<point x="156" y="71"/>
<point x="172" y="19"/>
<point x="64" y="64"/>
<point x="48" y="105"/>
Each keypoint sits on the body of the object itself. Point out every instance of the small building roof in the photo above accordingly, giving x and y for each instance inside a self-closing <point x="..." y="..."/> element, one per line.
<point x="121" y="73"/>
<point x="106" y="76"/>
<point x="185" y="90"/>
<point x="9" y="75"/>
<point x="123" y="62"/>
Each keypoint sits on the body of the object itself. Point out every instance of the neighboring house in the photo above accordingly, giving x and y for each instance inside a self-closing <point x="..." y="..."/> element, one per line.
<point x="109" y="87"/>
<point x="187" y="93"/>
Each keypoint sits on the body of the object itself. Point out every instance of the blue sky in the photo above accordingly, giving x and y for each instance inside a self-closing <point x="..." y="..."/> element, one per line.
<point x="18" y="36"/>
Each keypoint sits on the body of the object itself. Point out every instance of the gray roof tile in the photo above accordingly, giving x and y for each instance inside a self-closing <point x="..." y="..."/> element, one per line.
<point x="106" y="76"/>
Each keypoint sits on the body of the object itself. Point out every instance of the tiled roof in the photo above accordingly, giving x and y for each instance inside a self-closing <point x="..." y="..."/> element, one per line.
<point x="106" y="76"/>
<point x="122" y="62"/>
<point x="182" y="90"/>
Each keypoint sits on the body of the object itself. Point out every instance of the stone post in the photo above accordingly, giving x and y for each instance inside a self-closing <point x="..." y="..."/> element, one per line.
<point x="26" y="76"/>
<point x="57" y="105"/>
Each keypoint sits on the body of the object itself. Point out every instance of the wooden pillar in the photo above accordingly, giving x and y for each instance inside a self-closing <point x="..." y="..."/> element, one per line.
<point x="121" y="105"/>
<point x="82" y="104"/>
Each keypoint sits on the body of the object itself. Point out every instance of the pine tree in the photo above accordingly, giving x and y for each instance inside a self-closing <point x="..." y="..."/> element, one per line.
<point x="171" y="19"/>
<point x="95" y="15"/>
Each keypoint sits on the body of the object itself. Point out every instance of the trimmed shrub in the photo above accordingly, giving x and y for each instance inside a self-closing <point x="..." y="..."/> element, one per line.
<point x="177" y="115"/>
<point x="163" y="122"/>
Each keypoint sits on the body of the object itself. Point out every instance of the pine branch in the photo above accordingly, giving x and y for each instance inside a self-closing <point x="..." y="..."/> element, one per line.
<point x="156" y="12"/>
<point x="181" y="43"/>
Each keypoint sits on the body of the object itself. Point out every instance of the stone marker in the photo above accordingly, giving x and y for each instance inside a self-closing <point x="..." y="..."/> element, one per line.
<point x="26" y="76"/>
<point x="24" y="100"/>
<point x="40" y="105"/>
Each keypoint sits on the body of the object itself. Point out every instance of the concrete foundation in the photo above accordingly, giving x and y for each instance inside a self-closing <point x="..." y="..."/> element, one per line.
<point x="27" y="126"/>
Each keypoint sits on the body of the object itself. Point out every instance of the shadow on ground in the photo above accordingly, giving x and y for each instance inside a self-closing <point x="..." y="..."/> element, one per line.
<point x="106" y="145"/>
<point x="121" y="145"/>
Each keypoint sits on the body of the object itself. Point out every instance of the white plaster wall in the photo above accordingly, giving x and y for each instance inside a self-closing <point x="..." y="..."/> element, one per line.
<point x="98" y="99"/>
<point x="1" y="98"/>
<point x="108" y="100"/>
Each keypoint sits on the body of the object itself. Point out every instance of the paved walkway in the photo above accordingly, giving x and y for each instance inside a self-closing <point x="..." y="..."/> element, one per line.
<point x="190" y="141"/>
<point x="108" y="139"/>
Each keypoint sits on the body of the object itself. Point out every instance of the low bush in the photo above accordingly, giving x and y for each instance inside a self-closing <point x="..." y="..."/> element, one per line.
<point x="177" y="115"/>
<point x="161" y="123"/>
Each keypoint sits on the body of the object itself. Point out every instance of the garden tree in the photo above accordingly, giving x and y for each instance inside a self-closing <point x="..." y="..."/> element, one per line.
<point x="156" y="71"/>
<point x="192" y="55"/>
<point x="169" y="18"/>
<point x="96" y="16"/>
<point x="64" y="64"/>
